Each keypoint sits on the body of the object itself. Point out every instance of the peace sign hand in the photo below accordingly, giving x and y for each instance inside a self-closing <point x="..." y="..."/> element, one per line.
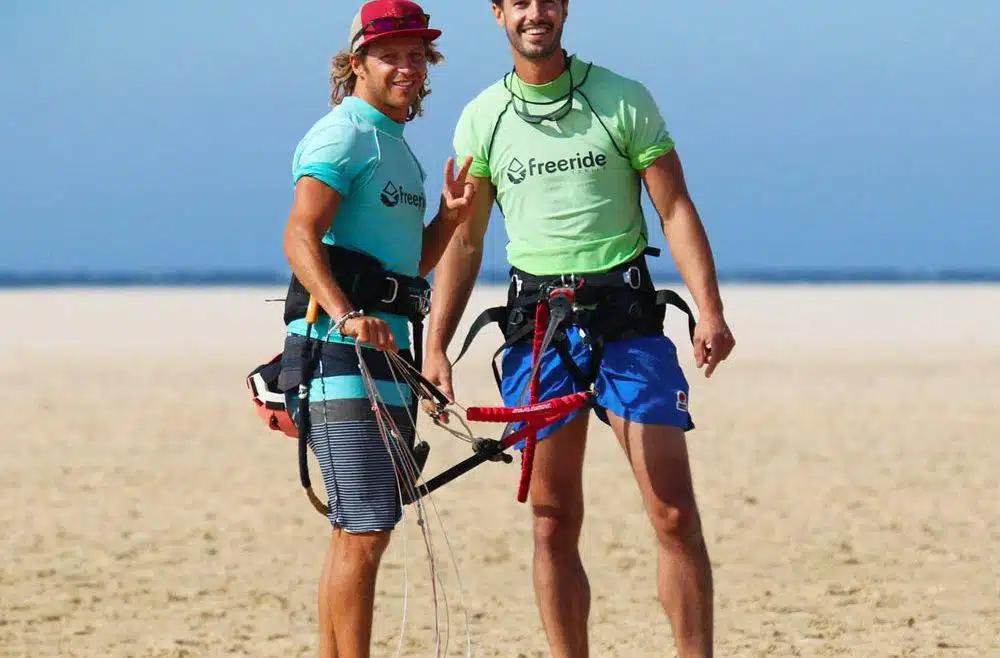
<point x="457" y="192"/>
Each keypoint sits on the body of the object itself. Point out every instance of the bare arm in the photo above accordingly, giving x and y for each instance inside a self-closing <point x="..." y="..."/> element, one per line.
<point x="685" y="233"/>
<point x="437" y="234"/>
<point x="313" y="208"/>
<point x="689" y="246"/>
<point x="457" y="270"/>
<point x="456" y="201"/>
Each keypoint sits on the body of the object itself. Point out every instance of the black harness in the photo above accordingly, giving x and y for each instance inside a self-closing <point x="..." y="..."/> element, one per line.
<point x="369" y="287"/>
<point x="613" y="305"/>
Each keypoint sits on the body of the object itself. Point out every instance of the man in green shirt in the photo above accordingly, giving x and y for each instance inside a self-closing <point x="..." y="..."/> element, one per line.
<point x="565" y="147"/>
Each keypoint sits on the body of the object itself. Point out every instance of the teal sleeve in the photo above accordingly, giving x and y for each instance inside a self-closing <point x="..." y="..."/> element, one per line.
<point x="469" y="141"/>
<point x="647" y="137"/>
<point x="335" y="155"/>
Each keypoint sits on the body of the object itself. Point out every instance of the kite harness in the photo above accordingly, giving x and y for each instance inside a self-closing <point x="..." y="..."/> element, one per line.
<point x="613" y="305"/>
<point x="280" y="387"/>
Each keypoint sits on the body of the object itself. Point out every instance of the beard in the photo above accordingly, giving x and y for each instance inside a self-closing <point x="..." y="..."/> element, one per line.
<point x="400" y="98"/>
<point x="535" y="50"/>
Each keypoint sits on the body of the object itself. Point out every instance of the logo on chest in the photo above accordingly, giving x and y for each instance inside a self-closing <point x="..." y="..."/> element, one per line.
<point x="392" y="195"/>
<point x="517" y="172"/>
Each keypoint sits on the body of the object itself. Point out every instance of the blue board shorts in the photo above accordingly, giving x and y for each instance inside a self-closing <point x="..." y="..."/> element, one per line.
<point x="639" y="380"/>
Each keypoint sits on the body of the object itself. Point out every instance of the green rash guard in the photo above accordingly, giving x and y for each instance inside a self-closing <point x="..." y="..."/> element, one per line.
<point x="568" y="189"/>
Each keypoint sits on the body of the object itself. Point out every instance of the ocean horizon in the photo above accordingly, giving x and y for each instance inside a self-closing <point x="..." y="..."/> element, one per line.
<point x="264" y="277"/>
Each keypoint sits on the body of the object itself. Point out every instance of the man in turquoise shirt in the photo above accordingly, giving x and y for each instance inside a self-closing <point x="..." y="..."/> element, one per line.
<point x="358" y="210"/>
<point x="564" y="147"/>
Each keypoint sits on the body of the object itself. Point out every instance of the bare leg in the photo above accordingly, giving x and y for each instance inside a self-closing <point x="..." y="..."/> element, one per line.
<point x="659" y="458"/>
<point x="327" y="639"/>
<point x="349" y="593"/>
<point x="562" y="590"/>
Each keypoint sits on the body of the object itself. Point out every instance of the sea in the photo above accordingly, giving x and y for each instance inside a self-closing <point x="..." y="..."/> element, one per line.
<point x="488" y="276"/>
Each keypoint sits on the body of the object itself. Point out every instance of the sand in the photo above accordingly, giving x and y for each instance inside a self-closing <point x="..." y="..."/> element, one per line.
<point x="845" y="463"/>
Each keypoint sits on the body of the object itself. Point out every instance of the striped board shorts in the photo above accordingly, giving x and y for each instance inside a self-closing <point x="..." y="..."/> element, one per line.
<point x="357" y="457"/>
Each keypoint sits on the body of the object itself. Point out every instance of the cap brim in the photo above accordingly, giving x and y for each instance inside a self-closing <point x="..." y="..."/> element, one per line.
<point x="424" y="32"/>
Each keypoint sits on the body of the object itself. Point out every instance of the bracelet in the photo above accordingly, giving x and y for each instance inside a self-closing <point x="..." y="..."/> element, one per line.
<point x="344" y="318"/>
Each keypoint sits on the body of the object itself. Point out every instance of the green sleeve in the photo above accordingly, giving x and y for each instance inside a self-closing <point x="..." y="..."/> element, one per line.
<point x="470" y="140"/>
<point x="647" y="137"/>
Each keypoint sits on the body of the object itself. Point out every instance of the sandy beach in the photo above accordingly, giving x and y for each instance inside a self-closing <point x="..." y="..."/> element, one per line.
<point x="846" y="464"/>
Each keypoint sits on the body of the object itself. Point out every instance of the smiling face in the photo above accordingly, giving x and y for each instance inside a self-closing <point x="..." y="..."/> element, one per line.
<point x="391" y="74"/>
<point x="534" y="27"/>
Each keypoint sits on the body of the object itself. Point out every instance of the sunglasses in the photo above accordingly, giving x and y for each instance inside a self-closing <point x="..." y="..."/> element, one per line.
<point x="393" y="23"/>
<point x="554" y="115"/>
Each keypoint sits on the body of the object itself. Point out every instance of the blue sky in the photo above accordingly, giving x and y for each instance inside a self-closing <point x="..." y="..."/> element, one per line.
<point x="150" y="137"/>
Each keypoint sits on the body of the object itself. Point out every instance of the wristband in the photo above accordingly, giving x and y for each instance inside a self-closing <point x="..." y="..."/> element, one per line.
<point x="344" y="318"/>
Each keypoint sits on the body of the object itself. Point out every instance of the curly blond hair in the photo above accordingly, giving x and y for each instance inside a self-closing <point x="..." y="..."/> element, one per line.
<point x="343" y="79"/>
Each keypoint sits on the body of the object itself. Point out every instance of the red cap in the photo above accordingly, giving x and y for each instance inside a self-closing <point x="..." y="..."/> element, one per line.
<point x="382" y="18"/>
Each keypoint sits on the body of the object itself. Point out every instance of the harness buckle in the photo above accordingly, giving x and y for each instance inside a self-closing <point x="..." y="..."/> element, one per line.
<point x="561" y="301"/>
<point x="395" y="291"/>
<point x="423" y="299"/>
<point x="633" y="277"/>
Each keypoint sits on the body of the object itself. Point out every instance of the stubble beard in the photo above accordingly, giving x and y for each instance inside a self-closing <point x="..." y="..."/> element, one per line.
<point x="535" y="52"/>
<point x="392" y="97"/>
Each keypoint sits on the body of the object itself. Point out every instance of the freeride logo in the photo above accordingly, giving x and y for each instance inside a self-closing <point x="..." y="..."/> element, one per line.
<point x="517" y="172"/>
<point x="392" y="196"/>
